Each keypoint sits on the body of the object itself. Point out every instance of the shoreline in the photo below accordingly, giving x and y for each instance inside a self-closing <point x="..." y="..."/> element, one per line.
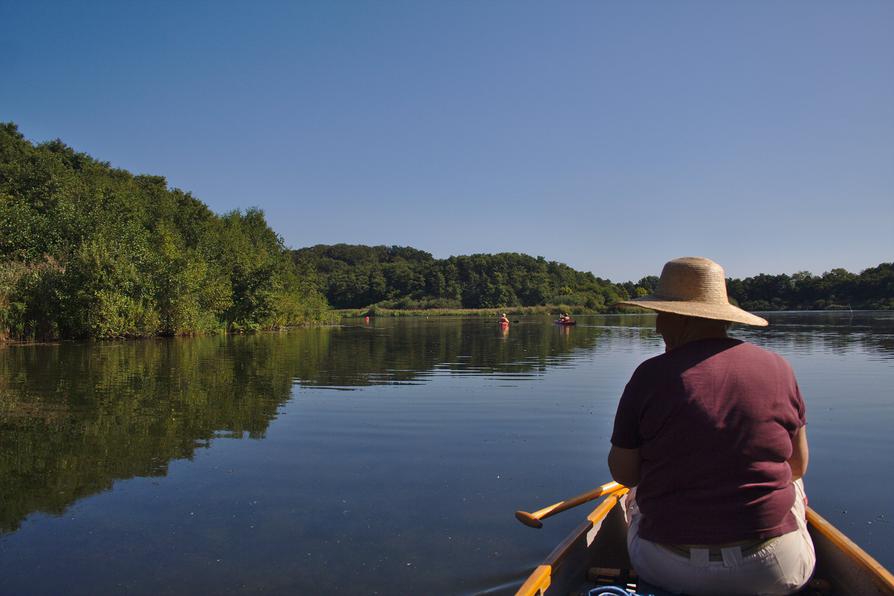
<point x="551" y="310"/>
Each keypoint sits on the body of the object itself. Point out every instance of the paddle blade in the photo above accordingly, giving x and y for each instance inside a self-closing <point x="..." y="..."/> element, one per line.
<point x="528" y="519"/>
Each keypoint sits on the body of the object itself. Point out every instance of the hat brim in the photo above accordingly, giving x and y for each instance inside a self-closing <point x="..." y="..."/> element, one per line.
<point x="704" y="310"/>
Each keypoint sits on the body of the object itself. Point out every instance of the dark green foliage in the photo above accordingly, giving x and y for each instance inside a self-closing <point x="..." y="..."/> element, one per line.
<point x="643" y="287"/>
<point x="872" y="289"/>
<point x="94" y="252"/>
<point x="400" y="277"/>
<point x="396" y="277"/>
<point x="90" y="251"/>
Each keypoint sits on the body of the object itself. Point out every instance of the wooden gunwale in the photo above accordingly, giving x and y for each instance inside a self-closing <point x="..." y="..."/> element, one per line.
<point x="880" y="576"/>
<point x="539" y="581"/>
<point x="862" y="567"/>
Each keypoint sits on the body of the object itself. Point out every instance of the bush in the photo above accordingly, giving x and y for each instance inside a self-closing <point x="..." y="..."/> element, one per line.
<point x="90" y="251"/>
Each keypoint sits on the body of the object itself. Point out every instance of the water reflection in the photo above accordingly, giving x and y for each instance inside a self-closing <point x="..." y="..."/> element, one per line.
<point x="837" y="332"/>
<point x="74" y="418"/>
<point x="410" y="350"/>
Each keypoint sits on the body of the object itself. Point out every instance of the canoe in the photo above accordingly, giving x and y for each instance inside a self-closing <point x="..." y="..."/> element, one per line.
<point x="571" y="322"/>
<point x="595" y="554"/>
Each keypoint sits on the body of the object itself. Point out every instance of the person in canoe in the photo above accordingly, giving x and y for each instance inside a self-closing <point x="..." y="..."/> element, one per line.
<point x="712" y="436"/>
<point x="504" y="320"/>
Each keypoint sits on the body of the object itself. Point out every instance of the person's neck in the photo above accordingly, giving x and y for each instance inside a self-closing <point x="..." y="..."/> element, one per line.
<point x="690" y="335"/>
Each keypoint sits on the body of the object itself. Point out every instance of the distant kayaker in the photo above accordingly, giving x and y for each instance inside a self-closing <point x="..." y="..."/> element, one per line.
<point x="712" y="435"/>
<point x="504" y="320"/>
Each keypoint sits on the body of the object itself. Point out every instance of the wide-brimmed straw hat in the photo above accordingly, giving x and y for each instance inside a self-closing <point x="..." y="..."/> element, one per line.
<point x="695" y="287"/>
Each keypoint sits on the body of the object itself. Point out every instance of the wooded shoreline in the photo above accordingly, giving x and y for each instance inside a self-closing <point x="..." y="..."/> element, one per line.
<point x="88" y="251"/>
<point x="402" y="278"/>
<point x="528" y="311"/>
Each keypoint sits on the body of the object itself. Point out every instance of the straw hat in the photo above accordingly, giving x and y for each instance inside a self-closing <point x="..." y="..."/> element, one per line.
<point x="695" y="287"/>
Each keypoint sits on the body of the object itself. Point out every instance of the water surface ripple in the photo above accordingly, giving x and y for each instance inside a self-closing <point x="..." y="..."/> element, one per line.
<point x="375" y="459"/>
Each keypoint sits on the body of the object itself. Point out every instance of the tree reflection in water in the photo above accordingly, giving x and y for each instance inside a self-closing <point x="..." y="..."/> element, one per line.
<point x="74" y="418"/>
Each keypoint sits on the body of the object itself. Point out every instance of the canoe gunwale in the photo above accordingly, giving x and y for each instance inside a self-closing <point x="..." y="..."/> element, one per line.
<point x="866" y="568"/>
<point x="540" y="580"/>
<point x="859" y="571"/>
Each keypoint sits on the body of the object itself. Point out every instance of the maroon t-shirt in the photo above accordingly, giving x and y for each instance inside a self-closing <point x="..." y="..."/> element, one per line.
<point x="714" y="421"/>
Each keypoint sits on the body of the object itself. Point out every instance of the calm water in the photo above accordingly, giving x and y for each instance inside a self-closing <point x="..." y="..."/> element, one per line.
<point x="370" y="459"/>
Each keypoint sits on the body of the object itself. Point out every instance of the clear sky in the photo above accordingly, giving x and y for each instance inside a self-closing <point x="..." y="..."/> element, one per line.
<point x="611" y="136"/>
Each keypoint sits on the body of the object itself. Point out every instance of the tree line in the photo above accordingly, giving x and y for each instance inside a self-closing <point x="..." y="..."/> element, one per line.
<point x="91" y="251"/>
<point x="871" y="289"/>
<point x="357" y="276"/>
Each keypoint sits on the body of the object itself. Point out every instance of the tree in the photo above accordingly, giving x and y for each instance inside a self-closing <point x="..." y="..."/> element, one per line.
<point x="87" y="250"/>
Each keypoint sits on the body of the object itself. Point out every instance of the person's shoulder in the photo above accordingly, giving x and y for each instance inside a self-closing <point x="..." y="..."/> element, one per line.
<point x="648" y="376"/>
<point x="748" y="347"/>
<point x="758" y="352"/>
<point x="652" y="366"/>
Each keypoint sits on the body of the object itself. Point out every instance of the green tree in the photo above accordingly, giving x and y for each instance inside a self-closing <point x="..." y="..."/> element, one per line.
<point x="87" y="250"/>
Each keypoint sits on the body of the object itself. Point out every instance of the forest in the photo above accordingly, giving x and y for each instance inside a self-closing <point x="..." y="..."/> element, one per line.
<point x="838" y="289"/>
<point x="91" y="251"/>
<point x="354" y="276"/>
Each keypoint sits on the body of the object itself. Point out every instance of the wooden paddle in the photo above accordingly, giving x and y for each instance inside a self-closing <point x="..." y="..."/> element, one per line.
<point x="533" y="519"/>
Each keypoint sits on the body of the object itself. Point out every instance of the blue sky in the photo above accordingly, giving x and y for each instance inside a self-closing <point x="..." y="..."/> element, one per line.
<point x="611" y="136"/>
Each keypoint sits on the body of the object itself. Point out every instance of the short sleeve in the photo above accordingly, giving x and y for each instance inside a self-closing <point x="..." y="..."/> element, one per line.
<point x="798" y="403"/>
<point x="795" y="399"/>
<point x="626" y="433"/>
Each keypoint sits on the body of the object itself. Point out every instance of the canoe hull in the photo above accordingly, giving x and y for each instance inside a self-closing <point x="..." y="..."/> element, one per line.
<point x="593" y="548"/>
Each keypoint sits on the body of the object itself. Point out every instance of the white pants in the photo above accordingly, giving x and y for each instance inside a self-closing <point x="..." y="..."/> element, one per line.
<point x="782" y="566"/>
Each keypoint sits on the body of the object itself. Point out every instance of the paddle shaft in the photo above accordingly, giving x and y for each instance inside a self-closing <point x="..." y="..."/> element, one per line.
<point x="533" y="519"/>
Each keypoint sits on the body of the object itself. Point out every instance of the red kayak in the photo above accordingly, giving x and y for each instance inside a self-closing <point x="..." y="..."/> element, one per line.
<point x="566" y="322"/>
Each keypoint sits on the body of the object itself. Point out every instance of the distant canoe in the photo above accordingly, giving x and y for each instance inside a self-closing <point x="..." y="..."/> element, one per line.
<point x="595" y="554"/>
<point x="566" y="322"/>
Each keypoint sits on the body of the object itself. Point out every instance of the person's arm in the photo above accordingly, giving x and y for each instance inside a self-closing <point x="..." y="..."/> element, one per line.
<point x="624" y="465"/>
<point x="800" y="454"/>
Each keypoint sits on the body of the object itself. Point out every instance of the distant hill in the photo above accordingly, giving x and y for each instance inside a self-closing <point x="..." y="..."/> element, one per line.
<point x="355" y="276"/>
<point x="871" y="289"/>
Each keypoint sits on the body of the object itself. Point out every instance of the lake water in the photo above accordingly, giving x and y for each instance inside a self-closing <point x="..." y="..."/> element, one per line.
<point x="385" y="458"/>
